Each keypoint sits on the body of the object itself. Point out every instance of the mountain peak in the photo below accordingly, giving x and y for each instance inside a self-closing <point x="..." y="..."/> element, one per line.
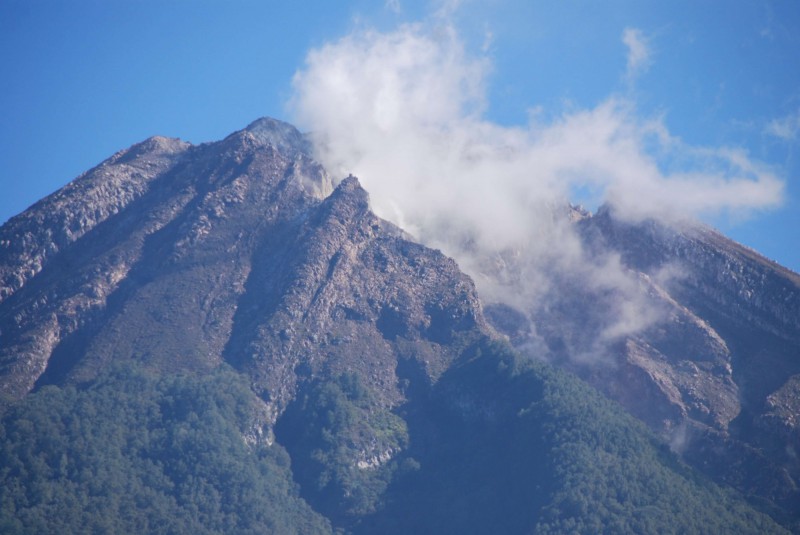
<point x="279" y="134"/>
<point x="366" y="358"/>
<point x="350" y="183"/>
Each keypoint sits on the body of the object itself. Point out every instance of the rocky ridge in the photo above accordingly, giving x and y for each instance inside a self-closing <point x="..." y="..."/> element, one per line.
<point x="244" y="258"/>
<point x="244" y="253"/>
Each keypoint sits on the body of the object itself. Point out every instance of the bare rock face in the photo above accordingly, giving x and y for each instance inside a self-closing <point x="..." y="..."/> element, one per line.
<point x="342" y="291"/>
<point x="748" y="307"/>
<point x="47" y="288"/>
<point x="183" y="257"/>
<point x="782" y="414"/>
<point x="29" y="240"/>
<point x="714" y="370"/>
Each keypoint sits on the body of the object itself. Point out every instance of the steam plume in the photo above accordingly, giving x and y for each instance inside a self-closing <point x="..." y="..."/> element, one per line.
<point x="405" y="112"/>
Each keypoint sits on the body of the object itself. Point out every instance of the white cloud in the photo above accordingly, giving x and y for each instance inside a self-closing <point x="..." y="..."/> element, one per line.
<point x="638" y="52"/>
<point x="393" y="6"/>
<point x="446" y="8"/>
<point x="404" y="111"/>
<point x="786" y="128"/>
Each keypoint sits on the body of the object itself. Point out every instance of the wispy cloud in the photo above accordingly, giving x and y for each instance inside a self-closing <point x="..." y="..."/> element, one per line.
<point x="446" y="8"/>
<point x="404" y="111"/>
<point x="638" y="52"/>
<point x="393" y="6"/>
<point x="786" y="128"/>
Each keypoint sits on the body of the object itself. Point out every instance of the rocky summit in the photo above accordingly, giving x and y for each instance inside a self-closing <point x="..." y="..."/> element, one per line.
<point x="224" y="338"/>
<point x="712" y="366"/>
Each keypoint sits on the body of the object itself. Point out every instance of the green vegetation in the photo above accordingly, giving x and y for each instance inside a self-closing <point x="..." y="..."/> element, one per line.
<point x="512" y="446"/>
<point x="339" y="442"/>
<point x="609" y="475"/>
<point x="499" y="444"/>
<point x="137" y="454"/>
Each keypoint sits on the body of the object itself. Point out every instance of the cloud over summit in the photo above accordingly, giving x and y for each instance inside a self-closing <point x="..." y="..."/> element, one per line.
<point x="405" y="111"/>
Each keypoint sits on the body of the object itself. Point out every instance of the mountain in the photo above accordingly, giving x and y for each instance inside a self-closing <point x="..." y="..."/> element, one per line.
<point x="222" y="338"/>
<point x="712" y="366"/>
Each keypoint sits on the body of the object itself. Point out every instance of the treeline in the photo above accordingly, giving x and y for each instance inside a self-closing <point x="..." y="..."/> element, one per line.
<point x="135" y="453"/>
<point x="499" y="444"/>
<point x="511" y="445"/>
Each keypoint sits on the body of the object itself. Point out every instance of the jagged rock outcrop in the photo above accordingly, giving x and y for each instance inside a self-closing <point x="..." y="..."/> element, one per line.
<point x="244" y="256"/>
<point x="350" y="292"/>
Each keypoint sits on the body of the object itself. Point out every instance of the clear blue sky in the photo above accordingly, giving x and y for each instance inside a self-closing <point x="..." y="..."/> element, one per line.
<point x="82" y="79"/>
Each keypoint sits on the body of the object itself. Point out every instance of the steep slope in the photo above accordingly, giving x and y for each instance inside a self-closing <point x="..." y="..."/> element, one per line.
<point x="238" y="259"/>
<point x="156" y="249"/>
<point x="695" y="335"/>
<point x="752" y="303"/>
<point x="751" y="306"/>
<point x="29" y="240"/>
<point x="229" y="290"/>
<point x="240" y="254"/>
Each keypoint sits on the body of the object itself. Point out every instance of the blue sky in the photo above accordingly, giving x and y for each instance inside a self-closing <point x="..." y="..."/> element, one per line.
<point x="83" y="79"/>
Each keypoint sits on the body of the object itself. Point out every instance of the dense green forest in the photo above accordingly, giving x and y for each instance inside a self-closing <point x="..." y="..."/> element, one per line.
<point x="511" y="445"/>
<point x="499" y="444"/>
<point x="134" y="453"/>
